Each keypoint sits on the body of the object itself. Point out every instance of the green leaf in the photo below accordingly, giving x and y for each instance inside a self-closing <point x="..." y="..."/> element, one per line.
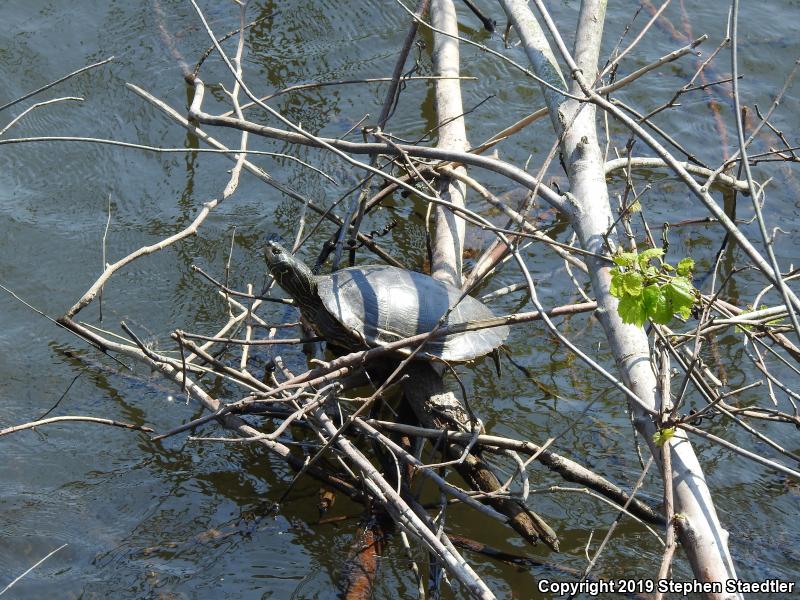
<point x="632" y="283"/>
<point x="616" y="289"/>
<point x="679" y="293"/>
<point x="681" y="288"/>
<point x="635" y="207"/>
<point x="631" y="309"/>
<point x="662" y="313"/>
<point x="625" y="259"/>
<point x="661" y="436"/>
<point x="650" y="298"/>
<point x="640" y="294"/>
<point x="648" y="255"/>
<point x="655" y="303"/>
<point x="685" y="266"/>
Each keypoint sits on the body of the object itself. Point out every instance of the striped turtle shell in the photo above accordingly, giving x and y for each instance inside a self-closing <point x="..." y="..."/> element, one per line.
<point x="382" y="304"/>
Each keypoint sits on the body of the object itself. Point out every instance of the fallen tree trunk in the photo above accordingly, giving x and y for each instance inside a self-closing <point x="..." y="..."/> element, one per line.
<point x="702" y="535"/>
<point x="432" y="403"/>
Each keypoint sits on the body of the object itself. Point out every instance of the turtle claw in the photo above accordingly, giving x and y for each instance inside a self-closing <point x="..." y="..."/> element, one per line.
<point x="495" y="354"/>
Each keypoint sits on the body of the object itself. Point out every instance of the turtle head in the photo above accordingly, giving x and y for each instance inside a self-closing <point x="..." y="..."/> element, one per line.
<point x="290" y="273"/>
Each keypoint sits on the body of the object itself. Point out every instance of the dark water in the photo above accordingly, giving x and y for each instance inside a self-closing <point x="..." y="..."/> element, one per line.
<point x="184" y="520"/>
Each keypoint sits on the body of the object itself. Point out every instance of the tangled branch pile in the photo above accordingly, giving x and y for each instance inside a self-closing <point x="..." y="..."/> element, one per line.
<point x="408" y="431"/>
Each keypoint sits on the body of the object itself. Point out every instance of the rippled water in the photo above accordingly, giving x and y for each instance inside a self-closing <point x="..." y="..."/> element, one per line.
<point x="183" y="520"/>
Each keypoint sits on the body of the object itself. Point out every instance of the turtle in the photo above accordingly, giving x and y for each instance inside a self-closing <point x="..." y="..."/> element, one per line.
<point x="372" y="305"/>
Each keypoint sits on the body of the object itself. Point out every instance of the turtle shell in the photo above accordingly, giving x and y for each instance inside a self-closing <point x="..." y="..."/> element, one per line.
<point x="383" y="304"/>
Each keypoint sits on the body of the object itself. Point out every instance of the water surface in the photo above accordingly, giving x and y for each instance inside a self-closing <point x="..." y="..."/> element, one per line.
<point x="184" y="520"/>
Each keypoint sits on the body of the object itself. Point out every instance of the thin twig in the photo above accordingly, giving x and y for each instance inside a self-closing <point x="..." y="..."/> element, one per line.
<point x="97" y="420"/>
<point x="56" y="82"/>
<point x="39" y="562"/>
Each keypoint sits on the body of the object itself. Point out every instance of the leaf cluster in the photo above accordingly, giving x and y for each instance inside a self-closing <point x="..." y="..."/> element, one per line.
<point x="646" y="291"/>
<point x="662" y="436"/>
